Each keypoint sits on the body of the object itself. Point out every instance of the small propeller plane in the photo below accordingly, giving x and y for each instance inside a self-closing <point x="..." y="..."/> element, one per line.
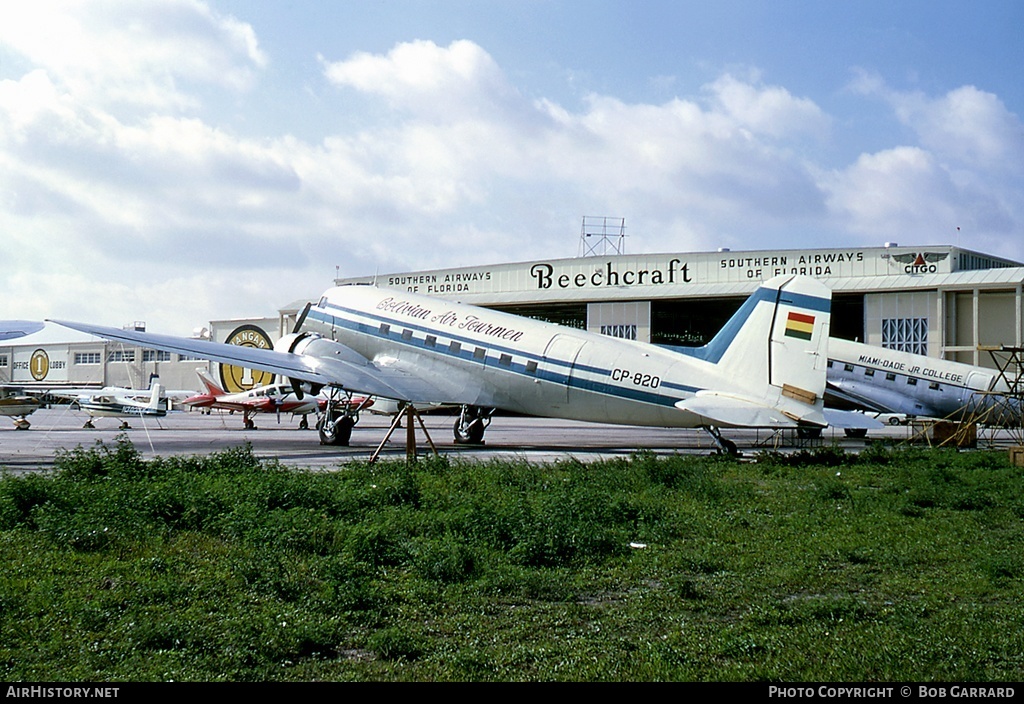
<point x="272" y="398"/>
<point x="764" y="369"/>
<point x="118" y="402"/>
<point x="18" y="407"/>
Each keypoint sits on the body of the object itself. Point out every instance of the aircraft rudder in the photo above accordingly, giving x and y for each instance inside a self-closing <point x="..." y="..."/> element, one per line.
<point x="799" y="340"/>
<point x="212" y="387"/>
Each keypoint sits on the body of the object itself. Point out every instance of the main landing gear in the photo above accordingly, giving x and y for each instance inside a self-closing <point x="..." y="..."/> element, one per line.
<point x="340" y="416"/>
<point x="470" y="426"/>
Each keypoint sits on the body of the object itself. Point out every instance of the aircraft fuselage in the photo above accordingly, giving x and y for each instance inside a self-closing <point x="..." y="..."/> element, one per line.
<point x="530" y="366"/>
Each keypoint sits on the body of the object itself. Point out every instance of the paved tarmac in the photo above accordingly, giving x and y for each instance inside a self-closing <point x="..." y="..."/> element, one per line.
<point x="531" y="439"/>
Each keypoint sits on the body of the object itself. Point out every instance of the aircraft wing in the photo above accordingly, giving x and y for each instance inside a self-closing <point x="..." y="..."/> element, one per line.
<point x="346" y="369"/>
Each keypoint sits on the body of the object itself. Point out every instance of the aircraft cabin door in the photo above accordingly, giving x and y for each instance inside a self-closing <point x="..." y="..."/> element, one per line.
<point x="559" y="365"/>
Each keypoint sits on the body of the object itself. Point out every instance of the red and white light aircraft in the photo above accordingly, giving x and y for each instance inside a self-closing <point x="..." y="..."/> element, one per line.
<point x="272" y="398"/>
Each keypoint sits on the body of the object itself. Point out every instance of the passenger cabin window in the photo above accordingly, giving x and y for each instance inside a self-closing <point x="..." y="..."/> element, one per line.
<point x="480" y="354"/>
<point x="531" y="367"/>
<point x="455" y="347"/>
<point x="407" y="335"/>
<point x="934" y="386"/>
<point x="385" y="329"/>
<point x="431" y="341"/>
<point x="889" y="376"/>
<point x="911" y="381"/>
<point x="505" y="360"/>
<point x="848" y="367"/>
<point x="869" y="372"/>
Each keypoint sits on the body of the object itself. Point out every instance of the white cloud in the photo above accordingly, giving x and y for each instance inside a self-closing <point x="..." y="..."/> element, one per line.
<point x="965" y="172"/>
<point x="132" y="51"/>
<point x="448" y="82"/>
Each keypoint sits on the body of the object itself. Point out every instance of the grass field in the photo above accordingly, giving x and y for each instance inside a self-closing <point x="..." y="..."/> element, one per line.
<point x="889" y="565"/>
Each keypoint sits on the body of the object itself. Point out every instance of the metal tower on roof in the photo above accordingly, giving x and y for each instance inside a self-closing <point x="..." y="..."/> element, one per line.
<point x="601" y="236"/>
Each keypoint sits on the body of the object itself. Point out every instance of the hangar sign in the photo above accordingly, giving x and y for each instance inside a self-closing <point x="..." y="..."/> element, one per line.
<point x="676" y="271"/>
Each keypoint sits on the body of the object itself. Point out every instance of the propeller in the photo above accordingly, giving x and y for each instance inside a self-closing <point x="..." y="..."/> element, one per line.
<point x="297" y="384"/>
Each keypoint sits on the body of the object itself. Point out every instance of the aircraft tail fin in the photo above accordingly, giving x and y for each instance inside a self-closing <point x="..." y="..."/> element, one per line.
<point x="212" y="387"/>
<point x="154" y="397"/>
<point x="778" y="340"/>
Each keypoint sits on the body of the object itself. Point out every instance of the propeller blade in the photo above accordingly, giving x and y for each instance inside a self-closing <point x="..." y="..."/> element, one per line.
<point x="302" y="318"/>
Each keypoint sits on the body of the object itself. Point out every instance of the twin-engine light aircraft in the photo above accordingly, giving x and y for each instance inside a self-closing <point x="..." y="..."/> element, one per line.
<point x="273" y="398"/>
<point x="764" y="369"/>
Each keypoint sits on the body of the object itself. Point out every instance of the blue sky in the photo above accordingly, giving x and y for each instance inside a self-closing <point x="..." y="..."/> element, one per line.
<point x="176" y="160"/>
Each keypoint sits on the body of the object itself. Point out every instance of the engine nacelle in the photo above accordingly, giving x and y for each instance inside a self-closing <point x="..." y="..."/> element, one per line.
<point x="290" y="342"/>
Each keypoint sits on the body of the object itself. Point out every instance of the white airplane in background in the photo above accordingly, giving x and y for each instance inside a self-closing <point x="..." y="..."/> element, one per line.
<point x="765" y="368"/>
<point x="118" y="402"/>
<point x="891" y="381"/>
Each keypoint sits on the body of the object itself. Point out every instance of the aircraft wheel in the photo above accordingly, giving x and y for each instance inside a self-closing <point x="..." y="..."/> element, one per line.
<point x="471" y="433"/>
<point x="249" y="425"/>
<point x="856" y="432"/>
<point x="335" y="433"/>
<point x="21" y="424"/>
<point x="728" y="447"/>
<point x="805" y="433"/>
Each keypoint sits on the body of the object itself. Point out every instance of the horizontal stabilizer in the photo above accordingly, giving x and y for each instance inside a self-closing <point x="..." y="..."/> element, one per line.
<point x="735" y="411"/>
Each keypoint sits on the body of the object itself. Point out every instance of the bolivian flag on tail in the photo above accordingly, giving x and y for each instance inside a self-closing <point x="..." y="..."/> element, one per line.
<point x="799" y="325"/>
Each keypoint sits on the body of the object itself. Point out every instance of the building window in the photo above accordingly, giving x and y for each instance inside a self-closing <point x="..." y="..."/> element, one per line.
<point x="88" y="358"/>
<point x="121" y="356"/>
<point x="156" y="356"/>
<point x="3" y="360"/>
<point x="905" y="335"/>
<point x="626" y="332"/>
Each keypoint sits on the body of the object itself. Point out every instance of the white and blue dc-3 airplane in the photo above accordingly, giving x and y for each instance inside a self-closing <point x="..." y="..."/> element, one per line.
<point x="765" y="369"/>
